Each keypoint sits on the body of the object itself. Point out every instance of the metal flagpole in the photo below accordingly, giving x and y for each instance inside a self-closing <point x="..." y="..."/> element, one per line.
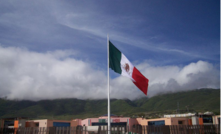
<point x="108" y="87"/>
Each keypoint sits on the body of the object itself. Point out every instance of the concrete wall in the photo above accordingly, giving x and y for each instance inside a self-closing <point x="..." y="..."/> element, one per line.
<point x="19" y="123"/>
<point x="49" y="123"/>
<point x="168" y="121"/>
<point x="88" y="121"/>
<point x="42" y="123"/>
<point x="76" y="122"/>
<point x="133" y="121"/>
<point x="144" y="122"/>
<point x="139" y="120"/>
<point x="32" y="123"/>
<point x="195" y="120"/>
<point x="130" y="121"/>
<point x="179" y="115"/>
<point x="114" y="118"/>
<point x="175" y="121"/>
<point x="84" y="122"/>
<point x="215" y="119"/>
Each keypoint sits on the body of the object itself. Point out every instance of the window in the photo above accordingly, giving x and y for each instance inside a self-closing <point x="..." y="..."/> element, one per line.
<point x="61" y="124"/>
<point x="37" y="124"/>
<point x="112" y="124"/>
<point x="102" y="120"/>
<point x="156" y="123"/>
<point x="8" y="123"/>
<point x="207" y="119"/>
<point x="180" y="122"/>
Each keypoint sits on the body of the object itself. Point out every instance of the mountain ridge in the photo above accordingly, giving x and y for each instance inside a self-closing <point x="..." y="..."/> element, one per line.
<point x="199" y="100"/>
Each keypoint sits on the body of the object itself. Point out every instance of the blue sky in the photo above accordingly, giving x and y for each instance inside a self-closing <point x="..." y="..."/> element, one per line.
<point x="175" y="44"/>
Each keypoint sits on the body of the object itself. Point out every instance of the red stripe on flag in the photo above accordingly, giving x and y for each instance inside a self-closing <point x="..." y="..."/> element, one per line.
<point x="140" y="81"/>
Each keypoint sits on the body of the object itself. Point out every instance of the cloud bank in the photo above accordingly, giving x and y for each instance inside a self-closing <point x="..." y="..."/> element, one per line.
<point x="31" y="75"/>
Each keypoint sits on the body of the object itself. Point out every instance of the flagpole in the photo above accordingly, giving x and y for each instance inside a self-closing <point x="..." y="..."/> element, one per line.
<point x="108" y="87"/>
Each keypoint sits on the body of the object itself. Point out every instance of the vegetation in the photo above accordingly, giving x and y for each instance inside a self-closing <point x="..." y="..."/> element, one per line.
<point x="190" y="101"/>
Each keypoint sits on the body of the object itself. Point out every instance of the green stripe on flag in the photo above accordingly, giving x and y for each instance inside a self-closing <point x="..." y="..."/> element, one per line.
<point x="114" y="58"/>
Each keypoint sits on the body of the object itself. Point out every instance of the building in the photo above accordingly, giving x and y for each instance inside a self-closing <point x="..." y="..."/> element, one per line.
<point x="207" y="118"/>
<point x="163" y="121"/>
<point x="126" y="122"/>
<point x="52" y="123"/>
<point x="180" y="115"/>
<point x="216" y="119"/>
<point x="13" y="122"/>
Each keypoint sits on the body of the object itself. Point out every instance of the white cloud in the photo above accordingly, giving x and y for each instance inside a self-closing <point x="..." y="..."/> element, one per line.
<point x="30" y="75"/>
<point x="174" y="78"/>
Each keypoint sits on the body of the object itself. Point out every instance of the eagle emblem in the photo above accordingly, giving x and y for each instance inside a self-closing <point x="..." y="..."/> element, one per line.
<point x="127" y="67"/>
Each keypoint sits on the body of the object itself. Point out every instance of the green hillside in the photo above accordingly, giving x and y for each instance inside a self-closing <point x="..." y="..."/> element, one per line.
<point x="196" y="100"/>
<point x="190" y="101"/>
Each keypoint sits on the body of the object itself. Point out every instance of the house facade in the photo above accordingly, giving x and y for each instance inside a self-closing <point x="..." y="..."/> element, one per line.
<point x="115" y="121"/>
<point x="52" y="123"/>
<point x="163" y="121"/>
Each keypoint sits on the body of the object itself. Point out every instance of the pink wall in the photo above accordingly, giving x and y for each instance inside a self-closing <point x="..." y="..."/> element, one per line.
<point x="77" y="121"/>
<point x="49" y="123"/>
<point x="174" y="121"/>
<point x="168" y="121"/>
<point x="144" y="122"/>
<point x="88" y="120"/>
<point x="215" y="119"/>
<point x="131" y="121"/>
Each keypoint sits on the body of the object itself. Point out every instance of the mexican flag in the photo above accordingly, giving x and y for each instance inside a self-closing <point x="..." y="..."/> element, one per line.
<point x="120" y="64"/>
